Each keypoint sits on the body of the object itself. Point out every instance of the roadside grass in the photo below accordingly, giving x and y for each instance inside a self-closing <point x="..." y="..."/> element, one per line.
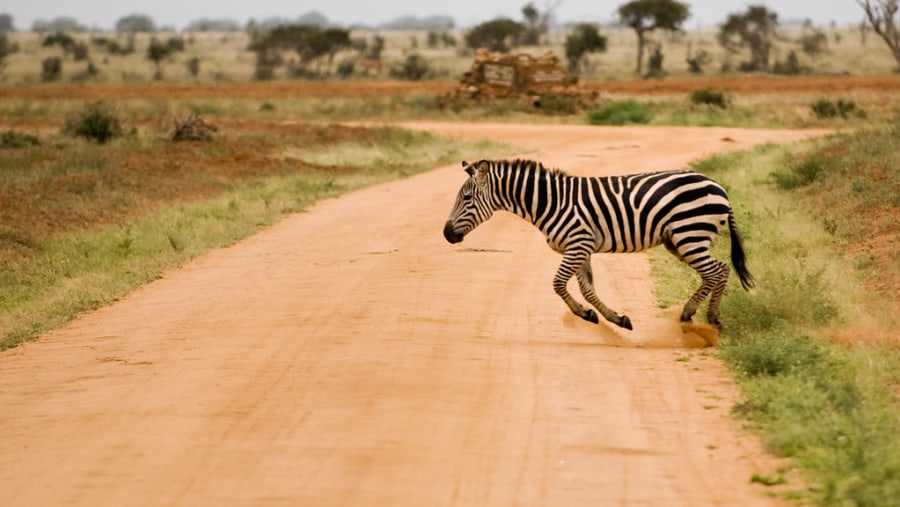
<point x="751" y="110"/>
<point x="831" y="406"/>
<point x="51" y="275"/>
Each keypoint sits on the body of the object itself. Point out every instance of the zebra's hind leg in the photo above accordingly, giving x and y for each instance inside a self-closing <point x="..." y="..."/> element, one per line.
<point x="715" y="299"/>
<point x="586" y="284"/>
<point x="714" y="275"/>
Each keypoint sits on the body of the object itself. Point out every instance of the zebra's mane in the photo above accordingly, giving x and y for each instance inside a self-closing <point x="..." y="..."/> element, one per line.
<point x="531" y="166"/>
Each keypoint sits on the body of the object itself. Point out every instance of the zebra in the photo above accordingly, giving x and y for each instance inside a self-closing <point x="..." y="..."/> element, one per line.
<point x="682" y="210"/>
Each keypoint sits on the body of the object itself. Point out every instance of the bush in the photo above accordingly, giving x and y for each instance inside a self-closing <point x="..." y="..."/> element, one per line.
<point x="800" y="173"/>
<point x="824" y="108"/>
<point x="13" y="139"/>
<point x="557" y="104"/>
<point x="655" y="64"/>
<point x="790" y="66"/>
<point x="697" y="61"/>
<point x="97" y="121"/>
<point x="193" y="66"/>
<point x="51" y="69"/>
<point x="346" y="67"/>
<point x="774" y="353"/>
<point x="413" y="69"/>
<point x="620" y="113"/>
<point x="709" y="97"/>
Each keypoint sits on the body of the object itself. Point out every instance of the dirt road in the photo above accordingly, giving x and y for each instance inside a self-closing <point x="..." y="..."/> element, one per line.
<point x="350" y="356"/>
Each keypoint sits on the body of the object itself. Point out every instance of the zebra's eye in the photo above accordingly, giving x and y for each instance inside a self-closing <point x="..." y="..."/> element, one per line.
<point x="467" y="197"/>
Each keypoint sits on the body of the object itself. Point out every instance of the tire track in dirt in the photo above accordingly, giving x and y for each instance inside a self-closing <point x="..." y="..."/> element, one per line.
<point x="350" y="356"/>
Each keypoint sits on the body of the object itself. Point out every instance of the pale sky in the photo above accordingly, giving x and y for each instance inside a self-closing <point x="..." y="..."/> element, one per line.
<point x="178" y="13"/>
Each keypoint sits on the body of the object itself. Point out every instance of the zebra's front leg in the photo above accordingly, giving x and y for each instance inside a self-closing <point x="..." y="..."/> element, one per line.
<point x="586" y="283"/>
<point x="574" y="261"/>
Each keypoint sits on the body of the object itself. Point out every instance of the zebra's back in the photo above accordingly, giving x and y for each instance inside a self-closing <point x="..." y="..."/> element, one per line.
<point x="634" y="212"/>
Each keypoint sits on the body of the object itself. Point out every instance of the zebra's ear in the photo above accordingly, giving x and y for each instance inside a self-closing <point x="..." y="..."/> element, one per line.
<point x="481" y="172"/>
<point x="468" y="168"/>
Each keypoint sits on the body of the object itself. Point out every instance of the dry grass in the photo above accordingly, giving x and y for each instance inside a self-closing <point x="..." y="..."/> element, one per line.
<point x="224" y="57"/>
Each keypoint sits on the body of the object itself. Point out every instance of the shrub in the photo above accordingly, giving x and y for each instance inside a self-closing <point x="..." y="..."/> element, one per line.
<point x="13" y="139"/>
<point x="801" y="173"/>
<point x="620" y="113"/>
<point x="345" y="68"/>
<point x="264" y="73"/>
<point x="51" y="69"/>
<point x="655" y="63"/>
<point x="824" y="108"/>
<point x="193" y="66"/>
<point x="774" y="353"/>
<point x="97" y="121"/>
<point x="697" y="61"/>
<point x="709" y="97"/>
<point x="790" y="66"/>
<point x="414" y="68"/>
<point x="557" y="104"/>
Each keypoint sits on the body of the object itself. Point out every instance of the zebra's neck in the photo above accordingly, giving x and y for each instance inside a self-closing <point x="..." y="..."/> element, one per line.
<point x="525" y="187"/>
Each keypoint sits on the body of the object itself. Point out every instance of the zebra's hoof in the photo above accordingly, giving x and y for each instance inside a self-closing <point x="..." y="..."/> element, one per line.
<point x="625" y="322"/>
<point x="591" y="316"/>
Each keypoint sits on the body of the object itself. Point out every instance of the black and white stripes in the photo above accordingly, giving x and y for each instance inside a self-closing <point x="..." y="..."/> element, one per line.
<point x="681" y="210"/>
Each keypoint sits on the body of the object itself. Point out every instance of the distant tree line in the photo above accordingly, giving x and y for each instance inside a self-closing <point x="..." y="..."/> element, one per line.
<point x="311" y="41"/>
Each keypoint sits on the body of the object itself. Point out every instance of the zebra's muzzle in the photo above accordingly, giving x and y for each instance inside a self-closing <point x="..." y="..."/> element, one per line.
<point x="451" y="234"/>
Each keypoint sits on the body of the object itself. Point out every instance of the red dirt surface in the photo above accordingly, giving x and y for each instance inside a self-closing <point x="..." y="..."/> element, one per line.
<point x="350" y="356"/>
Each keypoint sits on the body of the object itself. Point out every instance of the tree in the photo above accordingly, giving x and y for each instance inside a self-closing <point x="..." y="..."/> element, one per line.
<point x="309" y="42"/>
<point x="58" y="24"/>
<point x="157" y="52"/>
<point x="213" y="25"/>
<point x="135" y="23"/>
<point x="645" y="16"/>
<point x="536" y="22"/>
<point x="6" y="48"/>
<point x="754" y="28"/>
<point x="585" y="38"/>
<point x="882" y="16"/>
<point x="6" y="23"/>
<point x="496" y="35"/>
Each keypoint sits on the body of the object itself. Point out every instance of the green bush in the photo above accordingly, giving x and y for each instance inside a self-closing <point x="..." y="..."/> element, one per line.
<point x="414" y="68"/>
<point x="97" y="121"/>
<point x="554" y="104"/>
<point x="824" y="108"/>
<point x="620" y="113"/>
<point x="51" y="69"/>
<point x="774" y="353"/>
<point x="709" y="97"/>
<point x="789" y="67"/>
<point x="801" y="172"/>
<point x="13" y="139"/>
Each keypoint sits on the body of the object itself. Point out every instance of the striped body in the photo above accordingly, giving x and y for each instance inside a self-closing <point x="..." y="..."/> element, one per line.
<point x="579" y="216"/>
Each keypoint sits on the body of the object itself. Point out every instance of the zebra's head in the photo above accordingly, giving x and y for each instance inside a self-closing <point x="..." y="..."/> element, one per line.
<point x="472" y="205"/>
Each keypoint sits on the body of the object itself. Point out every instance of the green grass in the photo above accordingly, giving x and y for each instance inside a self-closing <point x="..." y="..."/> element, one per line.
<point x="831" y="409"/>
<point x="623" y="112"/>
<point x="71" y="273"/>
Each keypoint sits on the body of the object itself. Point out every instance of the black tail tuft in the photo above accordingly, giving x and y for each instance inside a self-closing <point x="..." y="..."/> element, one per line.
<point x="738" y="259"/>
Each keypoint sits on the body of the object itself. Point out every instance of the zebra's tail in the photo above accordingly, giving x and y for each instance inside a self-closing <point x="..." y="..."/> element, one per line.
<point x="738" y="258"/>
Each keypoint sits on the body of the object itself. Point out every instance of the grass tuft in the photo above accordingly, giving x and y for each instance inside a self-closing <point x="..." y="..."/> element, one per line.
<point x="624" y="112"/>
